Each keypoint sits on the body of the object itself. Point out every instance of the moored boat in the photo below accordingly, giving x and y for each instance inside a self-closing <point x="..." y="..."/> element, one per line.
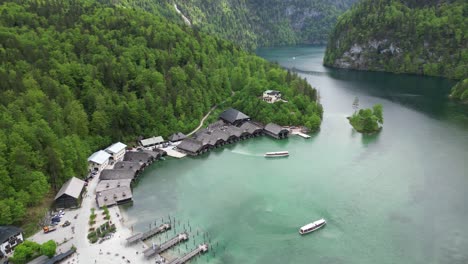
<point x="277" y="154"/>
<point x="312" y="226"/>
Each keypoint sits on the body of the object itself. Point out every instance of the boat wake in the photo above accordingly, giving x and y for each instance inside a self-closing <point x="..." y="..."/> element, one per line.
<point x="245" y="153"/>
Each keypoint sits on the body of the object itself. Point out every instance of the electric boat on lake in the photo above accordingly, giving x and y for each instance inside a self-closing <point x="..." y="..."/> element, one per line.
<point x="312" y="226"/>
<point x="276" y="154"/>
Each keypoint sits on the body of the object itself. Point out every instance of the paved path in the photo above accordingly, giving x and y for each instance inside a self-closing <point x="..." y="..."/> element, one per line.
<point x="203" y="120"/>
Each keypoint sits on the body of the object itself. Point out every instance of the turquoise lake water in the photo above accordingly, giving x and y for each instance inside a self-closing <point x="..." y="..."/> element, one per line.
<point x="400" y="196"/>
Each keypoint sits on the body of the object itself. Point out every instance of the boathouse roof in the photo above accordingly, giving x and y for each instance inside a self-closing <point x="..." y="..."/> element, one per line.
<point x="140" y="156"/>
<point x="8" y="231"/>
<point x="233" y="131"/>
<point x="128" y="165"/>
<point x="250" y="127"/>
<point x="112" y="184"/>
<point x="116" y="148"/>
<point x="114" y="196"/>
<point x="274" y="128"/>
<point x="58" y="258"/>
<point x="151" y="141"/>
<point x="217" y="124"/>
<point x="99" y="157"/>
<point x="72" y="187"/>
<point x="232" y="115"/>
<point x="117" y="174"/>
<point x="190" y="145"/>
<point x="177" y="137"/>
<point x="218" y="134"/>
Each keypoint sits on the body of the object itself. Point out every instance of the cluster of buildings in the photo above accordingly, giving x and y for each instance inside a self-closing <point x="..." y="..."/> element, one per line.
<point x="272" y="96"/>
<point x="231" y="127"/>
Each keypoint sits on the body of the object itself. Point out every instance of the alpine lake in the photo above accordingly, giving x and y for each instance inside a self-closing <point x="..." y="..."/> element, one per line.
<point x="398" y="196"/>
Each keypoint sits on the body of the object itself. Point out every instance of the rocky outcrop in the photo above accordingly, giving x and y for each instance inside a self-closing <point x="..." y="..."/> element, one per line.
<point x="403" y="37"/>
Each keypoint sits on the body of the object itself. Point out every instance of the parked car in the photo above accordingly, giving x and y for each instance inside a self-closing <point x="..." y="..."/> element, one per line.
<point x="67" y="223"/>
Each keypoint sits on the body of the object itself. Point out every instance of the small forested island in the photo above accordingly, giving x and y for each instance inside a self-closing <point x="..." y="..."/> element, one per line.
<point x="367" y="120"/>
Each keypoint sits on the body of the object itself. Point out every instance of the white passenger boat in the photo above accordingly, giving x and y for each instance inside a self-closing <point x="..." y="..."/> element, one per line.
<point x="277" y="154"/>
<point x="312" y="226"/>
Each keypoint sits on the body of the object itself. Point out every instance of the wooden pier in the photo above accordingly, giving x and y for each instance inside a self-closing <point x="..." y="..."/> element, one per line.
<point x="152" y="232"/>
<point x="166" y="245"/>
<point x="185" y="258"/>
<point x="300" y="134"/>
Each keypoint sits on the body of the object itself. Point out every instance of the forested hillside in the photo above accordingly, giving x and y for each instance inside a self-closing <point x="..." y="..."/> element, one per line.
<point x="421" y="37"/>
<point x="252" y="23"/>
<point x="78" y="75"/>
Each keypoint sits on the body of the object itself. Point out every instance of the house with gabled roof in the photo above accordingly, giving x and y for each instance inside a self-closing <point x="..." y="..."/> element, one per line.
<point x="98" y="161"/>
<point x="69" y="196"/>
<point x="234" y="117"/>
<point x="117" y="151"/>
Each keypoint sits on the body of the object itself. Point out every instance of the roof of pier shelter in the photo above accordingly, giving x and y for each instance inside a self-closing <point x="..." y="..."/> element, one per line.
<point x="233" y="131"/>
<point x="217" y="124"/>
<point x="219" y="134"/>
<point x="114" y="196"/>
<point x="275" y="129"/>
<point x="151" y="141"/>
<point x="250" y="127"/>
<point x="190" y="144"/>
<point x="140" y="156"/>
<point x="112" y="184"/>
<point x="232" y="115"/>
<point x="117" y="174"/>
<point x="128" y="165"/>
<point x="72" y="188"/>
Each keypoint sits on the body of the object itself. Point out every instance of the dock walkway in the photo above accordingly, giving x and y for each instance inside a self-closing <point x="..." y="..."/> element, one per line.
<point x="143" y="236"/>
<point x="200" y="249"/>
<point x="300" y="134"/>
<point x="166" y="245"/>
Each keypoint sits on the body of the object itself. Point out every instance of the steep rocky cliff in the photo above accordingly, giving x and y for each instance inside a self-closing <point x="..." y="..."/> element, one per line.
<point x="252" y="23"/>
<point x="420" y="37"/>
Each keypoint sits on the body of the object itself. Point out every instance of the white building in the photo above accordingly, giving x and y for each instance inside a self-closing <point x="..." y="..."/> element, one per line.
<point x="117" y="151"/>
<point x="271" y="96"/>
<point x="98" y="161"/>
<point x="10" y="237"/>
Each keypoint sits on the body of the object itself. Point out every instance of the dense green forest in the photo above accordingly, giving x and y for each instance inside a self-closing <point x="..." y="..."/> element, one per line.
<point x="78" y="75"/>
<point x="420" y="37"/>
<point x="252" y="23"/>
<point x="368" y="120"/>
<point x="460" y="91"/>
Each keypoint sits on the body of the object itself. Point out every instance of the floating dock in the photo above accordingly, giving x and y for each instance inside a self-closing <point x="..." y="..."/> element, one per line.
<point x="300" y="134"/>
<point x="143" y="236"/>
<point x="199" y="250"/>
<point x="166" y="245"/>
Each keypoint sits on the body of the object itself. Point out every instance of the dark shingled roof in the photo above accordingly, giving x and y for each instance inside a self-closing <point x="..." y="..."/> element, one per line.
<point x="250" y="127"/>
<point x="217" y="124"/>
<point x="128" y="165"/>
<point x="117" y="174"/>
<point x="177" y="137"/>
<point x="231" y="115"/>
<point x="140" y="156"/>
<point x="61" y="256"/>
<point x="274" y="128"/>
<point x="233" y="131"/>
<point x="8" y="231"/>
<point x="190" y="145"/>
<point x="218" y="134"/>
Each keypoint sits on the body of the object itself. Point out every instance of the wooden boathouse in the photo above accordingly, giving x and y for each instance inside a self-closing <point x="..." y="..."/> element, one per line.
<point x="276" y="131"/>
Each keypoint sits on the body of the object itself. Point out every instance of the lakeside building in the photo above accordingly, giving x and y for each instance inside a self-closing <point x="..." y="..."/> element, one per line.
<point x="114" y="196"/>
<point x="272" y="96"/>
<point x="105" y="185"/>
<point x="117" y="174"/>
<point x="152" y="142"/>
<point x="98" y="160"/>
<point x="135" y="166"/>
<point x="69" y="195"/>
<point x="10" y="237"/>
<point x="177" y="137"/>
<point x="234" y="117"/>
<point x="117" y="151"/>
<point x="144" y="157"/>
<point x="221" y="132"/>
<point x="276" y="131"/>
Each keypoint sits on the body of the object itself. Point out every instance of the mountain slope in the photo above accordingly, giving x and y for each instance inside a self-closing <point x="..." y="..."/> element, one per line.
<point x="420" y="37"/>
<point x="78" y="75"/>
<point x="252" y="23"/>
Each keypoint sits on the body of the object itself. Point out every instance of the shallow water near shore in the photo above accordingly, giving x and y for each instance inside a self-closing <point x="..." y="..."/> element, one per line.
<point x="398" y="196"/>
